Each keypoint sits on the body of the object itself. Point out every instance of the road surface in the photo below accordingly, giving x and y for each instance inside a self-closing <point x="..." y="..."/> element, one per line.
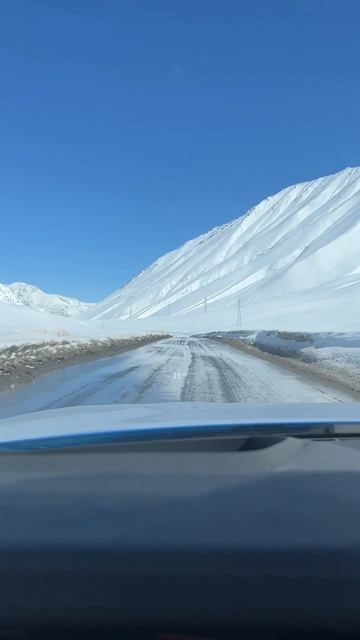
<point x="175" y="369"/>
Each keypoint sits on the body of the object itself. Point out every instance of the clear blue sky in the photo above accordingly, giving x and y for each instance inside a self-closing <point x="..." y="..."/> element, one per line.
<point x="130" y="126"/>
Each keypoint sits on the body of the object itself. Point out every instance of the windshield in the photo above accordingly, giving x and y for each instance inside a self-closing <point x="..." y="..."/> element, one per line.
<point x="180" y="208"/>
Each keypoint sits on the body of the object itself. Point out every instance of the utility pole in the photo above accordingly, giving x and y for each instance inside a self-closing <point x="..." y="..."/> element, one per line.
<point x="130" y="312"/>
<point x="205" y="304"/>
<point x="239" y="318"/>
<point x="169" y="310"/>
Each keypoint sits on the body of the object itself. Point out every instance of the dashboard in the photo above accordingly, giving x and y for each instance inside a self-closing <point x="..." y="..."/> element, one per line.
<point x="192" y="539"/>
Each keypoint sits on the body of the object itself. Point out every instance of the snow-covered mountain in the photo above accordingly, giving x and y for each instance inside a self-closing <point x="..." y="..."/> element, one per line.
<point x="292" y="261"/>
<point x="21" y="293"/>
<point x="6" y="295"/>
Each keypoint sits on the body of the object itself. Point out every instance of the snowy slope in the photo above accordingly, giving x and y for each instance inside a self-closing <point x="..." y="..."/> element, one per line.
<point x="26" y="294"/>
<point x="292" y="261"/>
<point x="22" y="324"/>
<point x="6" y="295"/>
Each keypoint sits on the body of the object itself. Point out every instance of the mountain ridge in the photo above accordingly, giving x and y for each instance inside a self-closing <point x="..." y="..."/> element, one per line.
<point x="293" y="248"/>
<point x="24" y="294"/>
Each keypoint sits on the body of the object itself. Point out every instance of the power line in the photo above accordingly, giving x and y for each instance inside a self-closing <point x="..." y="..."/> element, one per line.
<point x="239" y="314"/>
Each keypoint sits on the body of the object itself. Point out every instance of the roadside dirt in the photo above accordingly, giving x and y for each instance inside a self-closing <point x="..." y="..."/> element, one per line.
<point x="22" y="363"/>
<point x="291" y="364"/>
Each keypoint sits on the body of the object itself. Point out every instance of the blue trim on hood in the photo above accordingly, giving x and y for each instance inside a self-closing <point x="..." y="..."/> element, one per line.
<point x="163" y="433"/>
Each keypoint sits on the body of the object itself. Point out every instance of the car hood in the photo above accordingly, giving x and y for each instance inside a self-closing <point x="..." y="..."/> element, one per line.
<point x="96" y="424"/>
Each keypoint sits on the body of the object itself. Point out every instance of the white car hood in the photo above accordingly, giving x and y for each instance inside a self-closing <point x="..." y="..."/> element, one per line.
<point x="160" y="418"/>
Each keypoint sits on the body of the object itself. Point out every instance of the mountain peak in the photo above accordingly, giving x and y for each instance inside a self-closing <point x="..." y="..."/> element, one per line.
<point x="22" y="293"/>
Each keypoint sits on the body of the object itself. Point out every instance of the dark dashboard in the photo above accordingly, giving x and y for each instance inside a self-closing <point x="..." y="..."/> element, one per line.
<point x="204" y="539"/>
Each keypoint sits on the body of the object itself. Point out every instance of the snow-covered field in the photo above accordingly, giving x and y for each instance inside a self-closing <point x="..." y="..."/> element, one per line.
<point x="20" y="324"/>
<point x="25" y="325"/>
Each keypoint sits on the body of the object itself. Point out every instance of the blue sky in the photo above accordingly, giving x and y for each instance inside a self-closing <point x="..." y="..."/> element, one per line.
<point x="130" y="126"/>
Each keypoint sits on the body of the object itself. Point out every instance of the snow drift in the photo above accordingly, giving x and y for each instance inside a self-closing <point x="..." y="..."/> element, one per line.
<point x="22" y="324"/>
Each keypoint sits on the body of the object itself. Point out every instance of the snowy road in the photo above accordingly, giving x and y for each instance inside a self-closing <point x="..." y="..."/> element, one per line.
<point x="175" y="369"/>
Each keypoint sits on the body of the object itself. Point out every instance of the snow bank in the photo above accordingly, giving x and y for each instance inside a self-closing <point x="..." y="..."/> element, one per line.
<point x="32" y="342"/>
<point x="20" y="324"/>
<point x="19" y="364"/>
<point x="337" y="355"/>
